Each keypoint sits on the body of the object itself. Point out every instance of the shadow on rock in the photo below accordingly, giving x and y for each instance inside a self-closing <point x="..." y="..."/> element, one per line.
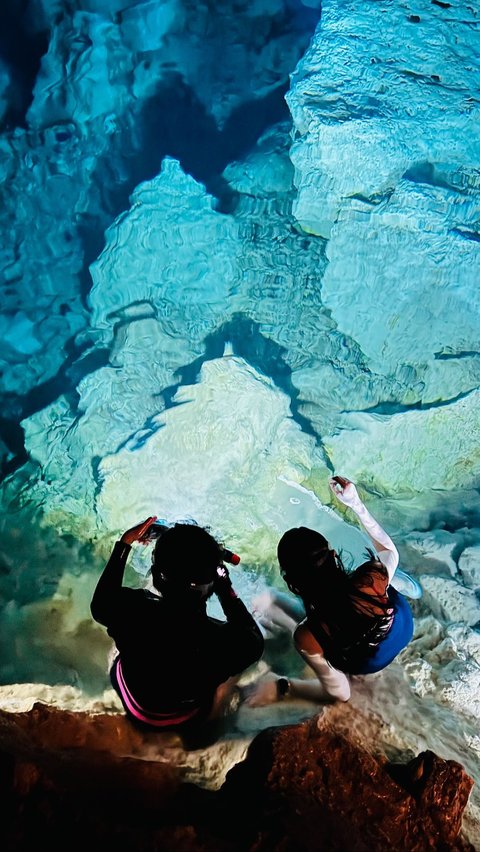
<point x="71" y="779"/>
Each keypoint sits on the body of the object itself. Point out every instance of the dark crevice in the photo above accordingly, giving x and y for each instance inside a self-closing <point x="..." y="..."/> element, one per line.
<point x="13" y="436"/>
<point x="174" y="123"/>
<point x="450" y="356"/>
<point x="453" y="521"/>
<point x="22" y="51"/>
<point x="440" y="175"/>
<point x="466" y="234"/>
<point x="389" y="408"/>
<point x="142" y="309"/>
<point x="247" y="342"/>
<point x="96" y="475"/>
<point x="374" y="199"/>
<point x="266" y="356"/>
<point x="423" y="173"/>
<point x="64" y="383"/>
<point x="78" y="363"/>
<point x="91" y="233"/>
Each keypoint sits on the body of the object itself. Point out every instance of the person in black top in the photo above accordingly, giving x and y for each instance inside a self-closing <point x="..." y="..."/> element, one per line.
<point x="174" y="661"/>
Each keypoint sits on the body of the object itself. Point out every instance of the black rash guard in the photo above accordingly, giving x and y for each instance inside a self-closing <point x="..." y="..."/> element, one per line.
<point x="173" y="655"/>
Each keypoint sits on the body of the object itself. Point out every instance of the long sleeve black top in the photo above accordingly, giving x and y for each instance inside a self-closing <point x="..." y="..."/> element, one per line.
<point x="171" y="650"/>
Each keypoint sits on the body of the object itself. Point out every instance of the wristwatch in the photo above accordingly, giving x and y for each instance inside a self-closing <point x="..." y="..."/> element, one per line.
<point x="283" y="687"/>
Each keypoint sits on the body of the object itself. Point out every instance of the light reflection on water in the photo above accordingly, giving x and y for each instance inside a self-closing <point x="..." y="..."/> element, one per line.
<point x="174" y="342"/>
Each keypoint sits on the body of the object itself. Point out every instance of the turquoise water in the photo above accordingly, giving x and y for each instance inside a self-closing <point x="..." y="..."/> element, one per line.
<point x="132" y="256"/>
<point x="240" y="253"/>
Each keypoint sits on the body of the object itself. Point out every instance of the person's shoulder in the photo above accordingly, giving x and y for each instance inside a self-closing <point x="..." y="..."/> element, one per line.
<point x="139" y="597"/>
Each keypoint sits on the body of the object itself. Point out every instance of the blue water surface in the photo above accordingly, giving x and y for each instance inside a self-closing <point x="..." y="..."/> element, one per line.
<point x="240" y="253"/>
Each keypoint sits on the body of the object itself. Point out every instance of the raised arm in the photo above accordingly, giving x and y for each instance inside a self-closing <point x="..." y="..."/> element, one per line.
<point x="112" y="577"/>
<point x="346" y="492"/>
<point x="250" y="647"/>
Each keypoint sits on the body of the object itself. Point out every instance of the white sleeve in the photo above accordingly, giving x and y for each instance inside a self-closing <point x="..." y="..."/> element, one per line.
<point x="389" y="559"/>
<point x="334" y="682"/>
<point x="383" y="544"/>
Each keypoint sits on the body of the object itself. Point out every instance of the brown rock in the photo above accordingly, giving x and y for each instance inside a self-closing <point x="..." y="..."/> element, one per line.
<point x="314" y="789"/>
<point x="70" y="780"/>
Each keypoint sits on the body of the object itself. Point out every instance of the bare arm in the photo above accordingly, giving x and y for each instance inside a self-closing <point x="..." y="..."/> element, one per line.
<point x="346" y="492"/>
<point x="329" y="684"/>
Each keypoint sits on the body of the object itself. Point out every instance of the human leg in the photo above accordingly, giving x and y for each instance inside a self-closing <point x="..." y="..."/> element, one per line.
<point x="265" y="691"/>
<point x="277" y="612"/>
<point x="330" y="683"/>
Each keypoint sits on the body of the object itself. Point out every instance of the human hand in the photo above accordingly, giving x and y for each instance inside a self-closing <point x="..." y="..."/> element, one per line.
<point x="138" y="533"/>
<point x="345" y="491"/>
<point x="222" y="580"/>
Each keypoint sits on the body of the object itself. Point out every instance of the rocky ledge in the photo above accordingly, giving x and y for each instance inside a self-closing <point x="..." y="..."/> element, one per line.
<point x="71" y="780"/>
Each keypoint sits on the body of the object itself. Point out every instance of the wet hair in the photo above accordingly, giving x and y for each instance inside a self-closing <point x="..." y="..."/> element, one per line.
<point x="184" y="554"/>
<point x="348" y="622"/>
<point x="306" y="560"/>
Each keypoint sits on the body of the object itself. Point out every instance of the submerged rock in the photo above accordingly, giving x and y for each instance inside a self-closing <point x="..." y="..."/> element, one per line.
<point x="451" y="601"/>
<point x="469" y="566"/>
<point x="380" y="94"/>
<point x="356" y="346"/>
<point x="386" y="171"/>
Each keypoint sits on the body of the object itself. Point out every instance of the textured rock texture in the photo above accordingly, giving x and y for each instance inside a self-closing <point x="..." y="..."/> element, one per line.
<point x="317" y="789"/>
<point x="386" y="167"/>
<point x="75" y="780"/>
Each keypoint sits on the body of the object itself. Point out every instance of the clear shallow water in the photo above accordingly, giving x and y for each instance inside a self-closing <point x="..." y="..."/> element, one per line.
<point x="240" y="251"/>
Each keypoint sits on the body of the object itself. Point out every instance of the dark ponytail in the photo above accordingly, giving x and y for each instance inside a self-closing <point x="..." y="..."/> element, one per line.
<point x="310" y="568"/>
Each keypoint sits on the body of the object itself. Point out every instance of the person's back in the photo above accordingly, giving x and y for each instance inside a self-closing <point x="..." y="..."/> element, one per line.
<point x="172" y="655"/>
